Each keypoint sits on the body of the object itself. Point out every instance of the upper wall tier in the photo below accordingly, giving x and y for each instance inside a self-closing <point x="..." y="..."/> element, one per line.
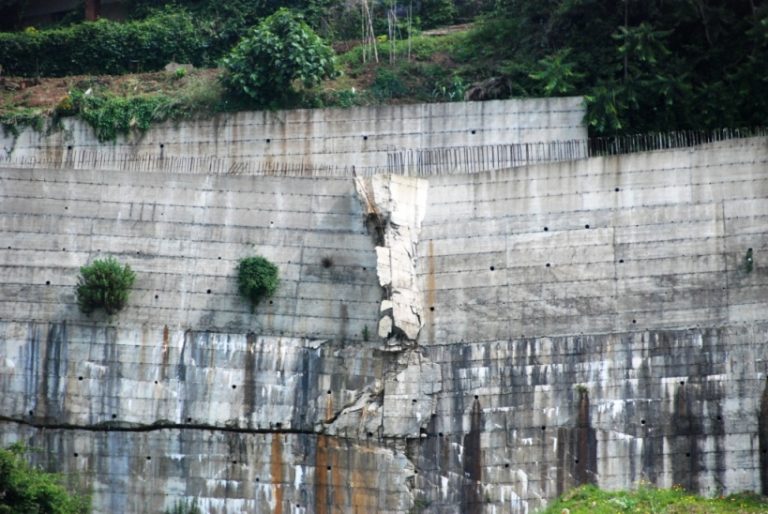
<point x="363" y="137"/>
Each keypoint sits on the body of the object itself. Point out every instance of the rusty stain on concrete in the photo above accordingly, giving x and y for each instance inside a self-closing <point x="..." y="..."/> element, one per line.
<point x="276" y="472"/>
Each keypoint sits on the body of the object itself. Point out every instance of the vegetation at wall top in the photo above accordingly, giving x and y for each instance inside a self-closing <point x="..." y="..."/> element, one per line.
<point x="642" y="66"/>
<point x="103" y="47"/>
<point x="104" y="284"/>
<point x="271" y="58"/>
<point x="26" y="489"/>
<point x="591" y="500"/>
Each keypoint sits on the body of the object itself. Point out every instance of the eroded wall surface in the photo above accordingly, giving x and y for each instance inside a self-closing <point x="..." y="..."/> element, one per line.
<point x="527" y="330"/>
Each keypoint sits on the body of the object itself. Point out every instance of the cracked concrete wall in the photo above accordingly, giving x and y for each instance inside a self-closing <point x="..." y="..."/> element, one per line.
<point x="580" y="322"/>
<point x="395" y="207"/>
<point x="362" y="137"/>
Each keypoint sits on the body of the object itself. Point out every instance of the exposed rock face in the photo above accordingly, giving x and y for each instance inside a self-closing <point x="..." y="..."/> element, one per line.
<point x="540" y="328"/>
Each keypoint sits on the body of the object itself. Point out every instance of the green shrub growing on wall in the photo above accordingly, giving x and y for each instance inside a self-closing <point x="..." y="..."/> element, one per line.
<point x="275" y="55"/>
<point x="103" y="47"/>
<point x="257" y="278"/>
<point x="104" y="284"/>
<point x="26" y="489"/>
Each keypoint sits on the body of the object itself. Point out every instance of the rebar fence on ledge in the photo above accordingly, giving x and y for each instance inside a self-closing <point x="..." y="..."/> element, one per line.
<point x="412" y="162"/>
<point x="632" y="143"/>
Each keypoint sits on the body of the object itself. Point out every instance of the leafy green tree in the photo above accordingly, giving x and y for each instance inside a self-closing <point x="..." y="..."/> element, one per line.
<point x="104" y="284"/>
<point x="647" y="66"/>
<point x="24" y="489"/>
<point x="276" y="56"/>
<point x="257" y="278"/>
<point x="556" y="74"/>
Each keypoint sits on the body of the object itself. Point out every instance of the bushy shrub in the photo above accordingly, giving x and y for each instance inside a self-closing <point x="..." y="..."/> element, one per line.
<point x="257" y="278"/>
<point x="274" y="55"/>
<point x="26" y="489"/>
<point x="103" y="47"/>
<point x="105" y="284"/>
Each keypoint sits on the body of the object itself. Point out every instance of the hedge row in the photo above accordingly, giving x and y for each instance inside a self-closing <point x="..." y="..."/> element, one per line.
<point x="104" y="47"/>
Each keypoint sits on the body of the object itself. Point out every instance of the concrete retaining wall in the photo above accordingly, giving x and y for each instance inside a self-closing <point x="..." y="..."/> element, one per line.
<point x="639" y="353"/>
<point x="363" y="137"/>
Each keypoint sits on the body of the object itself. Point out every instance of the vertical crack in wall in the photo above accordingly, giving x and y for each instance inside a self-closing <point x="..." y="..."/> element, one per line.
<point x="394" y="208"/>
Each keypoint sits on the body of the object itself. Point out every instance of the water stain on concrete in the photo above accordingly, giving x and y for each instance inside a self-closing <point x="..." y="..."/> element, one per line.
<point x="472" y="498"/>
<point x="762" y="422"/>
<point x="685" y="428"/>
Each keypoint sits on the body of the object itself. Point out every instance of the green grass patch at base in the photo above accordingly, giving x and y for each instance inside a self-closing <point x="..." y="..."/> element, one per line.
<point x="591" y="500"/>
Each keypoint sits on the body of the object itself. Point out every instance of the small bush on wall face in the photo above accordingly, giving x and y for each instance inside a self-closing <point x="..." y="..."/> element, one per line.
<point x="104" y="284"/>
<point x="257" y="278"/>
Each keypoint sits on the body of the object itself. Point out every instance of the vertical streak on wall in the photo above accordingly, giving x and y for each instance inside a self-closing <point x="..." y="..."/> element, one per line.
<point x="685" y="430"/>
<point x="166" y="356"/>
<point x="54" y="368"/>
<point x="276" y="472"/>
<point x="473" y="463"/>
<point x="328" y="483"/>
<point x="429" y="313"/>
<point x="762" y="423"/>
<point x="249" y="395"/>
<point x="586" y="444"/>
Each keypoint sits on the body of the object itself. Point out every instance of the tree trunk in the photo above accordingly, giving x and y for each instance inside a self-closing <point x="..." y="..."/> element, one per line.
<point x="92" y="9"/>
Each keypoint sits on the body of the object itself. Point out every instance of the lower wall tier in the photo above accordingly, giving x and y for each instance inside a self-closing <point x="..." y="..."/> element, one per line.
<point x="324" y="426"/>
